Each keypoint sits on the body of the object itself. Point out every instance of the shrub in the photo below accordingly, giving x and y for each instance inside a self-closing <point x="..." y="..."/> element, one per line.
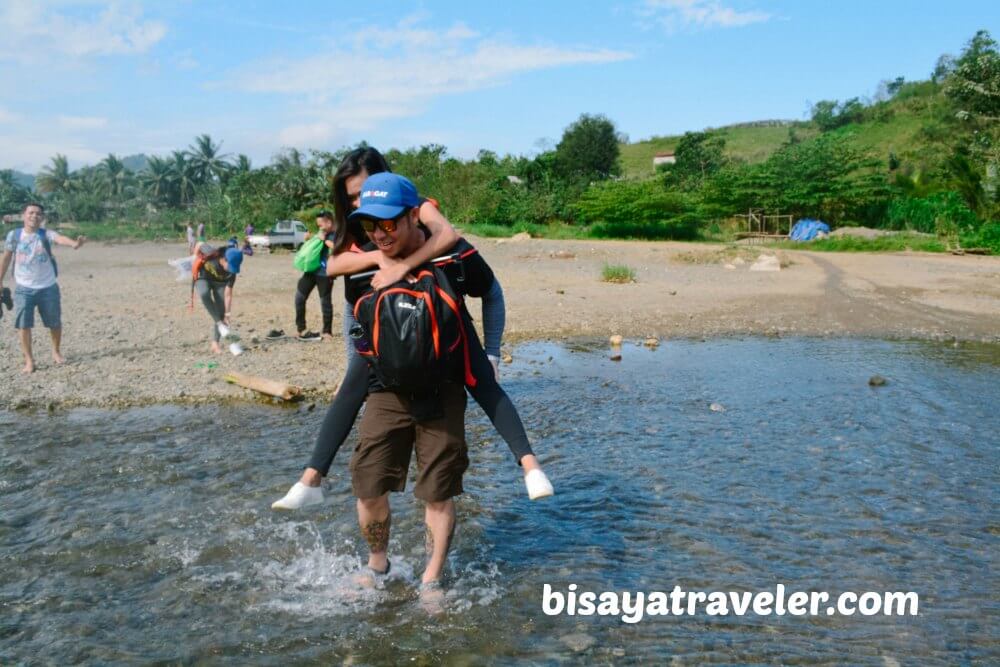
<point x="629" y="209"/>
<point x="927" y="214"/>
<point x="987" y="236"/>
<point x="617" y="273"/>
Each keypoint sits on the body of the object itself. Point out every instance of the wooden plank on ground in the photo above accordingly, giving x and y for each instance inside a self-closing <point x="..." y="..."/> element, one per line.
<point x="276" y="388"/>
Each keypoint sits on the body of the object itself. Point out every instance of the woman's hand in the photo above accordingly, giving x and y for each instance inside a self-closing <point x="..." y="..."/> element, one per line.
<point x="389" y="274"/>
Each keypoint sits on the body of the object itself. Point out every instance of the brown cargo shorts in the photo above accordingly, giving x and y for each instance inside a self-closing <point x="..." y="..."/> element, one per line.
<point x="389" y="433"/>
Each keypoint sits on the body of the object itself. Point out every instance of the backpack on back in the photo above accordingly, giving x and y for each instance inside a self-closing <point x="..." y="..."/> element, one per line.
<point x="413" y="334"/>
<point x="199" y="261"/>
<point x="43" y="235"/>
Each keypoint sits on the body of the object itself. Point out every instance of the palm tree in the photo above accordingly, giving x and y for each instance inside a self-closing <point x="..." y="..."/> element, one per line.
<point x="7" y="179"/>
<point x="288" y="160"/>
<point x="116" y="175"/>
<point x="90" y="181"/>
<point x="13" y="195"/>
<point x="206" y="161"/>
<point x="184" y="177"/>
<point x="157" y="179"/>
<point x="966" y="178"/>
<point x="242" y="165"/>
<point x="55" y="178"/>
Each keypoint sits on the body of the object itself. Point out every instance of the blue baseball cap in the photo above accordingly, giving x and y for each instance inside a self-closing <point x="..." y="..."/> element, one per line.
<point x="234" y="257"/>
<point x="384" y="196"/>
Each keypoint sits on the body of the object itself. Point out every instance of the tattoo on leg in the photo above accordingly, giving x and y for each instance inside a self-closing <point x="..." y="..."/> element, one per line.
<point x="429" y="540"/>
<point x="451" y="536"/>
<point x="377" y="534"/>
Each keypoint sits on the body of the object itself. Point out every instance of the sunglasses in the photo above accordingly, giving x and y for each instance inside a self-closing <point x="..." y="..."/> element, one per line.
<point x="387" y="226"/>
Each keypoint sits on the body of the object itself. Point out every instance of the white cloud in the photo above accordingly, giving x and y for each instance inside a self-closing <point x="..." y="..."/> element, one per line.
<point x="25" y="153"/>
<point x="35" y="31"/>
<point x="386" y="73"/>
<point x="186" y="61"/>
<point x="82" y="122"/>
<point x="306" y="134"/>
<point x="8" y="116"/>
<point x="678" y="14"/>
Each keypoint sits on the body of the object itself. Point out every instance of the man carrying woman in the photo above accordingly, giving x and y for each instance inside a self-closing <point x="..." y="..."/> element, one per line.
<point x="348" y="259"/>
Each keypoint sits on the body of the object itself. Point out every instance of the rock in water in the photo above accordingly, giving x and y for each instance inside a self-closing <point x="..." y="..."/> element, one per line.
<point x="578" y="641"/>
<point x="877" y="381"/>
<point x="651" y="342"/>
<point x="616" y="340"/>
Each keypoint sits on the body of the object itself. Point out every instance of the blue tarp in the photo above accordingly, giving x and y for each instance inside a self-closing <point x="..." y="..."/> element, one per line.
<point x="806" y="229"/>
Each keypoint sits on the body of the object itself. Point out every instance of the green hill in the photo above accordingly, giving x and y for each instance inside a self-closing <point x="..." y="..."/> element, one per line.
<point x="24" y="180"/>
<point x="914" y="125"/>
<point x="136" y="163"/>
<point x="748" y="142"/>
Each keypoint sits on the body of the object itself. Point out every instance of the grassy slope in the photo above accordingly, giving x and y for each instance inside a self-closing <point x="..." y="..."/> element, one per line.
<point x="898" y="130"/>
<point x="750" y="144"/>
<point x="903" y="132"/>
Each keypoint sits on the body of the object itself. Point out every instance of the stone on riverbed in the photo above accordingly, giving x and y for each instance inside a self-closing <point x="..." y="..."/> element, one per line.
<point x="578" y="641"/>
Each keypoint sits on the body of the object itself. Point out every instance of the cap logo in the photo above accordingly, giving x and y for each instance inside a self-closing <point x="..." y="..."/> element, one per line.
<point x="375" y="193"/>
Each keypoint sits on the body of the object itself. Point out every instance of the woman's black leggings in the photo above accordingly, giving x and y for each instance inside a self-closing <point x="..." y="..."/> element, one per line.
<point x="488" y="393"/>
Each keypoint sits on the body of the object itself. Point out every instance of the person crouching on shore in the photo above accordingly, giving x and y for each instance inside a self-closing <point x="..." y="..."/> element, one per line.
<point x="213" y="277"/>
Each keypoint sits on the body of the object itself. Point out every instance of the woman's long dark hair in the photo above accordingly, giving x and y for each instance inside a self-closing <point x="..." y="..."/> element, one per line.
<point x="365" y="158"/>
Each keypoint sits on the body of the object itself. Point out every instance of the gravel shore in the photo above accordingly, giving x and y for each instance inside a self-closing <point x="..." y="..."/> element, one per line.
<point x="130" y="339"/>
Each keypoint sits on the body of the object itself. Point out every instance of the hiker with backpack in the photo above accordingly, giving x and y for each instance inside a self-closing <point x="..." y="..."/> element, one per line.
<point x="311" y="259"/>
<point x="35" y="274"/>
<point x="213" y="276"/>
<point x="343" y="411"/>
<point x="416" y="336"/>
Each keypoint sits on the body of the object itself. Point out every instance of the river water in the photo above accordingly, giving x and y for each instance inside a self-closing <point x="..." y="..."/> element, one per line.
<point x="145" y="535"/>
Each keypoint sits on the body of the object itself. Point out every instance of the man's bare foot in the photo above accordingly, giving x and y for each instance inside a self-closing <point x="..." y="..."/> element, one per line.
<point x="370" y="577"/>
<point x="216" y="348"/>
<point x="29" y="367"/>
<point x="327" y="336"/>
<point x="432" y="597"/>
<point x="58" y="358"/>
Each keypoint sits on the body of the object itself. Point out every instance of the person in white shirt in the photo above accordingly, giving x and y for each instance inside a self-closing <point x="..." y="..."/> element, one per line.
<point x="35" y="273"/>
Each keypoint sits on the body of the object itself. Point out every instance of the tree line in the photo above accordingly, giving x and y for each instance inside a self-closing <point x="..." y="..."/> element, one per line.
<point x="946" y="183"/>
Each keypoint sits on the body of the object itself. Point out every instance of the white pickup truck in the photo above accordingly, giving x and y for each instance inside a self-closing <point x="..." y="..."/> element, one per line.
<point x="285" y="233"/>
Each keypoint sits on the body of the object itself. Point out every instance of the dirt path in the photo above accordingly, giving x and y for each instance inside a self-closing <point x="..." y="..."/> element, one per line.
<point x="130" y="339"/>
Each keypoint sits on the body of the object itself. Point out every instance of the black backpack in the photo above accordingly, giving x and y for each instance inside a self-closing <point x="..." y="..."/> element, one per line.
<point x="413" y="334"/>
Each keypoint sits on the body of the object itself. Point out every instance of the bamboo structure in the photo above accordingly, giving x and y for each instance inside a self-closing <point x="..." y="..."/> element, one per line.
<point x="761" y="227"/>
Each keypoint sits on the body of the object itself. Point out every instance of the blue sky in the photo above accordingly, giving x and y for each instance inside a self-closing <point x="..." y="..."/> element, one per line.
<point x="85" y="78"/>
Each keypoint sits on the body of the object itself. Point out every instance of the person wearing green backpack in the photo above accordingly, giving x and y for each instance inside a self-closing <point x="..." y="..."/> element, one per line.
<point x="311" y="261"/>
